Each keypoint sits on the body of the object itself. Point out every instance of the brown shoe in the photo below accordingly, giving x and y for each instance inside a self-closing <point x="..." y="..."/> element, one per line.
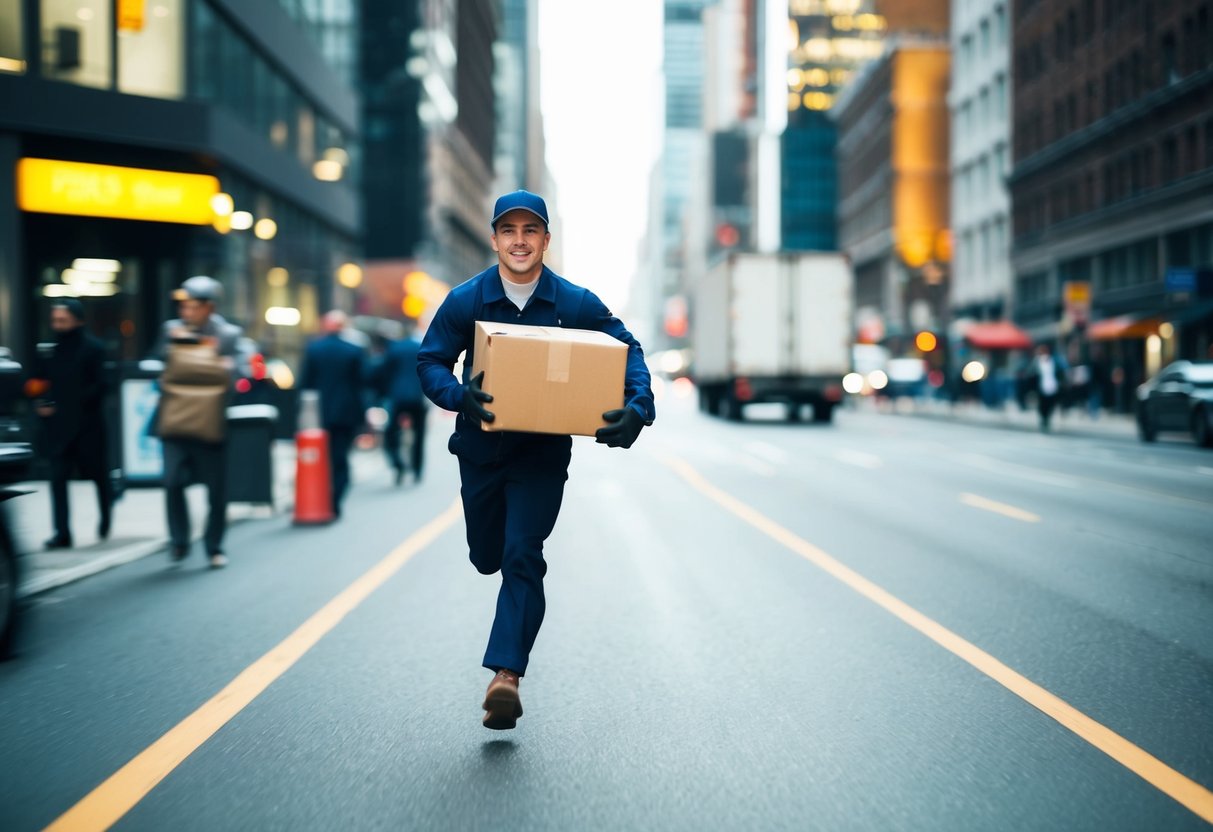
<point x="501" y="703"/>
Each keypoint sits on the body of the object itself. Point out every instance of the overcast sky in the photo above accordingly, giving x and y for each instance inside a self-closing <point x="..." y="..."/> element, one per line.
<point x="601" y="97"/>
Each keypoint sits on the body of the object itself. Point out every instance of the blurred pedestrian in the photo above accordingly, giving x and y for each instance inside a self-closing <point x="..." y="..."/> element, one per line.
<point x="1049" y="373"/>
<point x="199" y="457"/>
<point x="70" y="408"/>
<point x="400" y="388"/>
<point x="337" y="369"/>
<point x="513" y="483"/>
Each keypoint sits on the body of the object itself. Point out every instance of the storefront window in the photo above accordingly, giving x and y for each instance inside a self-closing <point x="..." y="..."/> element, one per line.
<point x="12" y="55"/>
<point x="150" y="48"/>
<point x="76" y="41"/>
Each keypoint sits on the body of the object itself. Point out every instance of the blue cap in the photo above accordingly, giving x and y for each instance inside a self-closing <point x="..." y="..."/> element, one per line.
<point x="520" y="200"/>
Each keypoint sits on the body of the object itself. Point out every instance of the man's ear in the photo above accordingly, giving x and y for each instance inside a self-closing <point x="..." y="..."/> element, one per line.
<point x="547" y="239"/>
<point x="493" y="241"/>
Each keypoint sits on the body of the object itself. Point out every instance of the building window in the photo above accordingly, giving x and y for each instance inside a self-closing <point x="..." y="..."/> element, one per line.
<point x="1000" y="25"/>
<point x="151" y="49"/>
<point x="1170" y="159"/>
<point x="985" y="36"/>
<point x="12" y="53"/>
<point x="76" y="42"/>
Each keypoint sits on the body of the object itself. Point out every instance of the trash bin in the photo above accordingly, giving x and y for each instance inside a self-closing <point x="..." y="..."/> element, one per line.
<point x="250" y="458"/>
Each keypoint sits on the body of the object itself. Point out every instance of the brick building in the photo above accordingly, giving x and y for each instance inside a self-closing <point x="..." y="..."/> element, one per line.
<point x="1112" y="181"/>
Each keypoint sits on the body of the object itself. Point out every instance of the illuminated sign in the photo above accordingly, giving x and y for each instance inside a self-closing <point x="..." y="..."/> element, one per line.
<point x="130" y="15"/>
<point x="50" y="186"/>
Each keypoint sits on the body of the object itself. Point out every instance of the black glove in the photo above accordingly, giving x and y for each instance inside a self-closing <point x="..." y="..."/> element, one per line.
<point x="624" y="428"/>
<point x="472" y="397"/>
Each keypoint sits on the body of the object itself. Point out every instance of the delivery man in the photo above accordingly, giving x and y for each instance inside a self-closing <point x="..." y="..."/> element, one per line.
<point x="512" y="483"/>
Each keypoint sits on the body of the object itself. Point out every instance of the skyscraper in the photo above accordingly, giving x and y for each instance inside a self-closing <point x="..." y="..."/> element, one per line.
<point x="430" y="111"/>
<point x="828" y="40"/>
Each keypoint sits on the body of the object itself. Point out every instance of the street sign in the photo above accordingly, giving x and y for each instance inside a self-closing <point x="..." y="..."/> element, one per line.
<point x="1180" y="280"/>
<point x="1076" y="297"/>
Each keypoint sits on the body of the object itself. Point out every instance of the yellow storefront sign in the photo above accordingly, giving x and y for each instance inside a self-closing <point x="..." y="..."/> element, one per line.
<point x="130" y="15"/>
<point x="51" y="186"/>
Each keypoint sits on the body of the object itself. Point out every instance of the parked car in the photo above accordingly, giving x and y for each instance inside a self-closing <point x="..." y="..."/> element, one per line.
<point x="1180" y="398"/>
<point x="14" y="462"/>
<point x="15" y="458"/>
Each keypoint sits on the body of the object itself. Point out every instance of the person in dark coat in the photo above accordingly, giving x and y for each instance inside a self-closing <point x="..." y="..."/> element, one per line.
<point x="401" y="388"/>
<point x="72" y="417"/>
<point x="336" y="368"/>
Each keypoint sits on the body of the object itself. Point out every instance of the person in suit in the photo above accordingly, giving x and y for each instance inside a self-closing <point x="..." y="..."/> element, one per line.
<point x="336" y="368"/>
<point x="192" y="460"/>
<point x="72" y="417"/>
<point x="399" y="385"/>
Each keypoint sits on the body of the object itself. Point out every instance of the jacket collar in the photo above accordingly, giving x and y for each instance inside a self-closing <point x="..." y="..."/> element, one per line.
<point x="494" y="291"/>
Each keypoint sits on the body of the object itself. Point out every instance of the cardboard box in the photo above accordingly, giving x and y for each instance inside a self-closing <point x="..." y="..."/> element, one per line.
<point x="549" y="379"/>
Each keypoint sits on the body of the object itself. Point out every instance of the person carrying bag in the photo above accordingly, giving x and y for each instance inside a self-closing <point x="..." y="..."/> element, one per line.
<point x="199" y="350"/>
<point x="194" y="393"/>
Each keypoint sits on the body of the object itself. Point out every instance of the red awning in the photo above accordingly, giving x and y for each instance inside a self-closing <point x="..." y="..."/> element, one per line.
<point x="1123" y="326"/>
<point x="997" y="335"/>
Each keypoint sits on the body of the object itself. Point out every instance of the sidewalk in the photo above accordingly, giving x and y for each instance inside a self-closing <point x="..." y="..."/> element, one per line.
<point x="139" y="526"/>
<point x="1072" y="422"/>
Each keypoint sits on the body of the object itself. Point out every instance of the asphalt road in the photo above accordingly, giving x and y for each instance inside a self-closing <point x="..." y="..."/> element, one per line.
<point x="754" y="626"/>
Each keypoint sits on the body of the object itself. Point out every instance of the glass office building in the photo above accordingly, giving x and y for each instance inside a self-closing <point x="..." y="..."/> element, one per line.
<point x="167" y="138"/>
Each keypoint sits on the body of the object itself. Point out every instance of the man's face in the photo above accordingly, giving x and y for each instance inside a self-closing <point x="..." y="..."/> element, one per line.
<point x="520" y="240"/>
<point x="62" y="320"/>
<point x="195" y="312"/>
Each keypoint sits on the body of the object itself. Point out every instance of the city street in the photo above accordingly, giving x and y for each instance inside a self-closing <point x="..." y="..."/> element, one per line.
<point x="888" y="623"/>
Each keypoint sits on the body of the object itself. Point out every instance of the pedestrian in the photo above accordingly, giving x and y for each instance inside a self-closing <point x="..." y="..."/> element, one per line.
<point x="337" y="369"/>
<point x="72" y="417"/>
<point x="190" y="459"/>
<point x="513" y="483"/>
<point x="1048" y="372"/>
<point x="400" y="387"/>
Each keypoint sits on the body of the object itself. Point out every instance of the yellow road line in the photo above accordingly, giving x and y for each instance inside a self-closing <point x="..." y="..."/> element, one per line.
<point x="999" y="508"/>
<point x="106" y="804"/>
<point x="1184" y="790"/>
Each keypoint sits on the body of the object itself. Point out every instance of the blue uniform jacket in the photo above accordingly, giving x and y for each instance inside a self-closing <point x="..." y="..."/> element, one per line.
<point x="398" y="380"/>
<point x="337" y="369"/>
<point x="556" y="302"/>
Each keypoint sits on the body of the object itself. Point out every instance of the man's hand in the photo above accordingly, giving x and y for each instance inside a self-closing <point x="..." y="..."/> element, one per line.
<point x="473" y="396"/>
<point x="45" y="411"/>
<point x="624" y="428"/>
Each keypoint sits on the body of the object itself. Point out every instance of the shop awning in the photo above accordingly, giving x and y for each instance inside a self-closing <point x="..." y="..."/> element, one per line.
<point x="1123" y="326"/>
<point x="997" y="335"/>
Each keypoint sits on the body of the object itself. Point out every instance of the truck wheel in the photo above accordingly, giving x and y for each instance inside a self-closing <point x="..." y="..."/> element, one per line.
<point x="730" y="408"/>
<point x="794" y="412"/>
<point x="823" y="413"/>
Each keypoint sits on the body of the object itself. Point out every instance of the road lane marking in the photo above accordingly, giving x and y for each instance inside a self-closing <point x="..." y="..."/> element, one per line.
<point x="759" y="467"/>
<point x="771" y="453"/>
<point x="105" y="805"/>
<point x="858" y="458"/>
<point x="1190" y="794"/>
<point x="999" y="508"/>
<point x="999" y="466"/>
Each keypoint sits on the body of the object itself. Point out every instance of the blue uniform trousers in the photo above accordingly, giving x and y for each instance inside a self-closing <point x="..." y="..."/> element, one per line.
<point x="510" y="508"/>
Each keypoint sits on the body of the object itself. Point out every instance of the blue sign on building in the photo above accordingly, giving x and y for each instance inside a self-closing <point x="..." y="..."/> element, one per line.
<point x="1180" y="280"/>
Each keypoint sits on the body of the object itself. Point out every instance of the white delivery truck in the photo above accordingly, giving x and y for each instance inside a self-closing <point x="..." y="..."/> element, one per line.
<point x="773" y="328"/>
